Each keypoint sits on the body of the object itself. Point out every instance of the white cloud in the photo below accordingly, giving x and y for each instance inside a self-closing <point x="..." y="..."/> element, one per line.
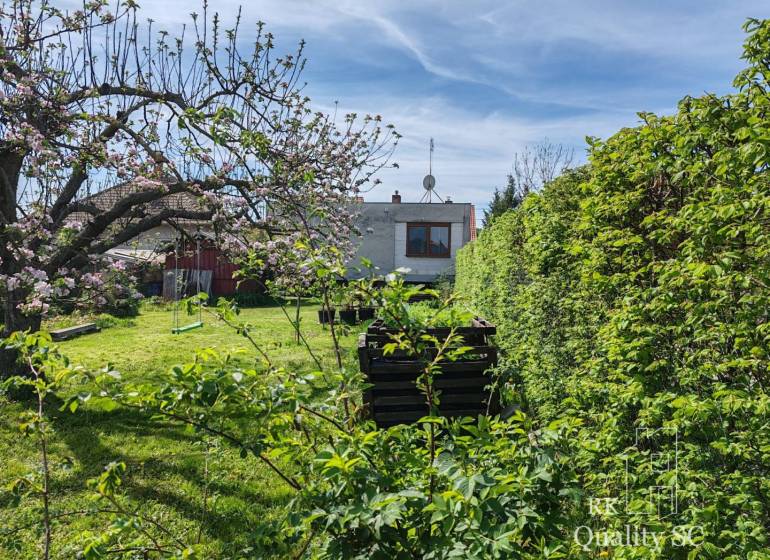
<point x="473" y="153"/>
<point x="497" y="75"/>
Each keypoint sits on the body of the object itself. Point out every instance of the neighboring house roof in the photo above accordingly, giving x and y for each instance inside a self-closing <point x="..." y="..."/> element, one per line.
<point x="151" y="245"/>
<point x="106" y="199"/>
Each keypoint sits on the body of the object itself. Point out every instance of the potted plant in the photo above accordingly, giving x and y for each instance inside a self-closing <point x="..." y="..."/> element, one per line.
<point x="363" y="291"/>
<point x="365" y="313"/>
<point x="365" y="309"/>
<point x="348" y="313"/>
<point x="334" y="298"/>
<point x="326" y="316"/>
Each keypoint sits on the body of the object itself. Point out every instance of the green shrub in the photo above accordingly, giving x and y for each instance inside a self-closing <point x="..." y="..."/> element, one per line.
<point x="522" y="274"/>
<point x="102" y="320"/>
<point x="633" y="297"/>
<point x="426" y="312"/>
<point x="245" y="300"/>
<point x="497" y="490"/>
<point x="105" y="321"/>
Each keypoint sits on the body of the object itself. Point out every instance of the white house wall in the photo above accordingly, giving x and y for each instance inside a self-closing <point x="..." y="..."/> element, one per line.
<point x="383" y="237"/>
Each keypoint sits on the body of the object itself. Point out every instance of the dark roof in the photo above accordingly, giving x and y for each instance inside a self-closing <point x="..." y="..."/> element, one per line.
<point x="106" y="199"/>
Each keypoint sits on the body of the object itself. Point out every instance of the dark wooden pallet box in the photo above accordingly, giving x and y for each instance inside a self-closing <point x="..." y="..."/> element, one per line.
<point x="463" y="384"/>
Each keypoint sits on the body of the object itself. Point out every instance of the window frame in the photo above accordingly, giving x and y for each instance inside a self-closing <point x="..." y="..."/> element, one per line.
<point x="429" y="226"/>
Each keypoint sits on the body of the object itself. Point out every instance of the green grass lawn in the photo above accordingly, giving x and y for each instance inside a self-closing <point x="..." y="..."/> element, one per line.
<point x="166" y="467"/>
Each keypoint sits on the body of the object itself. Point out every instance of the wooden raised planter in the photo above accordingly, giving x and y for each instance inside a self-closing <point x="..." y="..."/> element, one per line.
<point x="463" y="384"/>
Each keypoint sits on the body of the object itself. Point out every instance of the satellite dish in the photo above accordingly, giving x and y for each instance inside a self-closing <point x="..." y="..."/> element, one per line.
<point x="429" y="182"/>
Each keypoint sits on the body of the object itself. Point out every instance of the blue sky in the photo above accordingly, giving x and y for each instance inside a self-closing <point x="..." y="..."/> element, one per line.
<point x="487" y="78"/>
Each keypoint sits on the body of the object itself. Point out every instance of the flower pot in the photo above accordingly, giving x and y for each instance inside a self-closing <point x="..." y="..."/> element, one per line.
<point x="325" y="316"/>
<point x="348" y="316"/>
<point x="365" y="313"/>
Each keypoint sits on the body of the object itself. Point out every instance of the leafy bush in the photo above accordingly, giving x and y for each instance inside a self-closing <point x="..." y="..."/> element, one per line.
<point x="444" y="285"/>
<point x="157" y="303"/>
<point x="429" y="314"/>
<point x="497" y="490"/>
<point x="523" y="274"/>
<point x="113" y="290"/>
<point x="471" y="487"/>
<point x="105" y="321"/>
<point x="481" y="487"/>
<point x="633" y="297"/>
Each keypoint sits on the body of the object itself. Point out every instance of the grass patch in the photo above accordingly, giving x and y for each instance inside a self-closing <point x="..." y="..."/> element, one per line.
<point x="166" y="464"/>
<point x="102" y="320"/>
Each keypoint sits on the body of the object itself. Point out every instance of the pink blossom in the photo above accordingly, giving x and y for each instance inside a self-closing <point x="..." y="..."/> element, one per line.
<point x="43" y="289"/>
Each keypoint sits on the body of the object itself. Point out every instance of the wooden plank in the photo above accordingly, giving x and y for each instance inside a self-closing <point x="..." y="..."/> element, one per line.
<point x="169" y="280"/>
<point x="72" y="332"/>
<point x="489" y="328"/>
<point x="191" y="326"/>
<point x="478" y="326"/>
<point x="467" y="382"/>
<point x="404" y="416"/>
<point x="476" y="399"/>
<point x="398" y="400"/>
<point x="401" y="417"/>
<point x="472" y="412"/>
<point x="460" y="379"/>
<point x="75" y="330"/>
<point x="375" y="353"/>
<point x="386" y="368"/>
<point x="446" y="381"/>
<point x="470" y="337"/>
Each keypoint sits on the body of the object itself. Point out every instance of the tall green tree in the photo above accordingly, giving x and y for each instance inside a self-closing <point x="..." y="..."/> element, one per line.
<point x="502" y="201"/>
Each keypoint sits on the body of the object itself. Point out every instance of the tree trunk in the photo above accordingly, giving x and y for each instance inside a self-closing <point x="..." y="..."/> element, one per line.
<point x="11" y="160"/>
<point x="10" y="168"/>
<point x="296" y="319"/>
<point x="14" y="320"/>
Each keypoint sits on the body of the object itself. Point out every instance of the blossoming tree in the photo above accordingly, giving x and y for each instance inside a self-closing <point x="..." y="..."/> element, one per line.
<point x="93" y="100"/>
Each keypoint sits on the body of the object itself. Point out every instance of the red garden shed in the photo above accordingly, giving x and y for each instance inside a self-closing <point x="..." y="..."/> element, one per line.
<point x="224" y="281"/>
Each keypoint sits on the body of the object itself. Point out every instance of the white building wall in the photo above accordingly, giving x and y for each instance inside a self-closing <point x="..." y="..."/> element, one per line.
<point x="427" y="266"/>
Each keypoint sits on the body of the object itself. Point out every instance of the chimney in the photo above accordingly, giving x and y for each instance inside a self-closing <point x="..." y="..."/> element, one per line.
<point x="395" y="198"/>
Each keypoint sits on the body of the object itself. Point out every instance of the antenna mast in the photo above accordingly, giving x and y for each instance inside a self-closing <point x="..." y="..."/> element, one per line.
<point x="429" y="181"/>
<point x="430" y="158"/>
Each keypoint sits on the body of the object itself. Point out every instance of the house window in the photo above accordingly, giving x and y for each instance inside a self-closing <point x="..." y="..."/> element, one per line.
<point x="428" y="240"/>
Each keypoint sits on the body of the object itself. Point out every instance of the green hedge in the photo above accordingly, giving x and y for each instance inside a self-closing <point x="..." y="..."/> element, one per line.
<point x="635" y="294"/>
<point x="522" y="274"/>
